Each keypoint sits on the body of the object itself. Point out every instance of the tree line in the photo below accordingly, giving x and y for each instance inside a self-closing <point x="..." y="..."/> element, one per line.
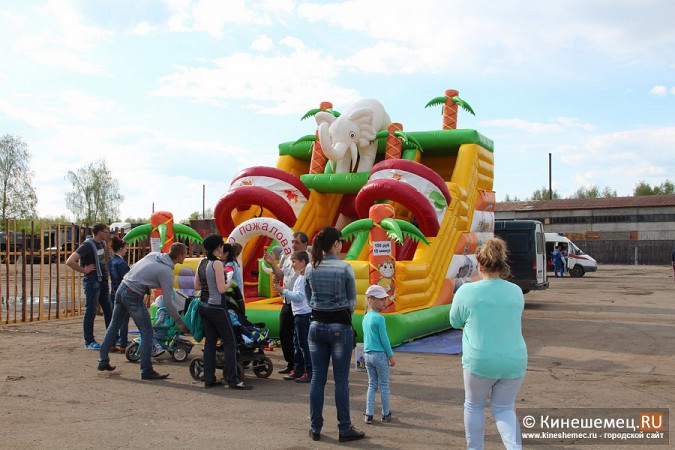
<point x="641" y="188"/>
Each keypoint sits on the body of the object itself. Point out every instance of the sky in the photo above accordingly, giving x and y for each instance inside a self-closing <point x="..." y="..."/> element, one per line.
<point x="177" y="96"/>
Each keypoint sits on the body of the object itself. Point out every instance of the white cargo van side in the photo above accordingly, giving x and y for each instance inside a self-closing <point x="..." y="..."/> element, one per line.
<point x="578" y="262"/>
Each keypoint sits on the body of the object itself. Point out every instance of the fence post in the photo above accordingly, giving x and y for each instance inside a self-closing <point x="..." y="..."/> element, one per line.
<point x="636" y="255"/>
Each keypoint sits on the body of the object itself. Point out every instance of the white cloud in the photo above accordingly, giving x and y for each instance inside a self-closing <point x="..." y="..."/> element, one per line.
<point x="143" y="28"/>
<point x="586" y="179"/>
<point x="475" y="36"/>
<point x="63" y="40"/>
<point x="659" y="90"/>
<point x="263" y="44"/>
<point x="625" y="155"/>
<point x="559" y="125"/>
<point x="296" y="82"/>
<point x="31" y="115"/>
<point x="17" y="21"/>
<point x="212" y="16"/>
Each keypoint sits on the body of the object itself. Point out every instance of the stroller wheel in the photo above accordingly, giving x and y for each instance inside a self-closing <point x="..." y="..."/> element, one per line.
<point x="133" y="352"/>
<point x="263" y="368"/>
<point x="180" y="353"/>
<point x="197" y="369"/>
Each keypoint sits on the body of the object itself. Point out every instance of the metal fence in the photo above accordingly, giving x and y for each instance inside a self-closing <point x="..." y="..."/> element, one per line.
<point x="629" y="251"/>
<point x="35" y="283"/>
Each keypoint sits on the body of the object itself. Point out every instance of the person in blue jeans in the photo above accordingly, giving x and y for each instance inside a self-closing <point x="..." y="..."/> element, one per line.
<point x="330" y="288"/>
<point x="89" y="259"/>
<point x="494" y="354"/>
<point x="302" y="360"/>
<point x="378" y="353"/>
<point x="118" y="267"/>
<point x="155" y="270"/>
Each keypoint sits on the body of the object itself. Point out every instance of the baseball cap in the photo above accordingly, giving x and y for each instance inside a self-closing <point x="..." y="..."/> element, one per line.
<point x="377" y="291"/>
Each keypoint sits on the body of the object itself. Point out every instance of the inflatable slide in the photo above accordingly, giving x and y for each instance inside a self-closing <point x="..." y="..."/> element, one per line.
<point x="413" y="206"/>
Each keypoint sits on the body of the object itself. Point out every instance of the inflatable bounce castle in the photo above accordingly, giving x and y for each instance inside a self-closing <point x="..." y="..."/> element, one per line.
<point x="412" y="205"/>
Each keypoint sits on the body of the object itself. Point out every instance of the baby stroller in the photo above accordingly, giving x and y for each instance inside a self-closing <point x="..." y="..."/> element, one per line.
<point x="173" y="343"/>
<point x="250" y="343"/>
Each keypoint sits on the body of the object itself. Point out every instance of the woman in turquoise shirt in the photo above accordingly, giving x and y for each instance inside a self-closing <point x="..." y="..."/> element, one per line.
<point x="494" y="354"/>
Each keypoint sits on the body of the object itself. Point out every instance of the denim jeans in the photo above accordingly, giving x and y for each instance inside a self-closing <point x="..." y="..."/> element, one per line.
<point x="302" y="360"/>
<point x="377" y="365"/>
<point x="328" y="340"/>
<point x="95" y="293"/>
<point x="129" y="303"/>
<point x="216" y="323"/>
<point x="122" y="337"/>
<point x="504" y="391"/>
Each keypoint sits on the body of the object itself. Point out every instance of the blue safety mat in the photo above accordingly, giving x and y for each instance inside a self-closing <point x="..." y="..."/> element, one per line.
<point x="446" y="342"/>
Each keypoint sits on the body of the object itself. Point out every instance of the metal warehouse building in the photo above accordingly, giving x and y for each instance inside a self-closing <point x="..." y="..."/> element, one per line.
<point x="618" y="230"/>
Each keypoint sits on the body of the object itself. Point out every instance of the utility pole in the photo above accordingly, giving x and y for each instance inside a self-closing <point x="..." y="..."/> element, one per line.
<point x="550" y="185"/>
<point x="203" y="201"/>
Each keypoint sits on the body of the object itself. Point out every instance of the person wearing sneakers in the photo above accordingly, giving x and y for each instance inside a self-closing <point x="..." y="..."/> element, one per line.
<point x="302" y="370"/>
<point x="378" y="353"/>
<point x="89" y="259"/>
<point x="331" y="289"/>
<point x="153" y="271"/>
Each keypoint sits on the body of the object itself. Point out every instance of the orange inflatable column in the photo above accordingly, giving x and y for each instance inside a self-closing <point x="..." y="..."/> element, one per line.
<point x="394" y="145"/>
<point x="318" y="162"/>
<point x="450" y="110"/>
<point x="162" y="223"/>
<point x="382" y="254"/>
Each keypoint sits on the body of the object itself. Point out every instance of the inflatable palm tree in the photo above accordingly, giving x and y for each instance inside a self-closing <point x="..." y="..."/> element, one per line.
<point x="163" y="230"/>
<point x="450" y="102"/>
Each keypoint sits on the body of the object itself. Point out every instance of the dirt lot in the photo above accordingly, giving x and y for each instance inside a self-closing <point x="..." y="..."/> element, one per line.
<point x="605" y="340"/>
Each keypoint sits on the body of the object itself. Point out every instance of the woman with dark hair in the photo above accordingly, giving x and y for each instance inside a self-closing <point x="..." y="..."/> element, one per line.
<point x="215" y="318"/>
<point x="494" y="354"/>
<point x="117" y="268"/>
<point x="331" y="291"/>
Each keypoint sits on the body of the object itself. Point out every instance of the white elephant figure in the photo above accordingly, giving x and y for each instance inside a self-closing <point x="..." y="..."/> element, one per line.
<point x="355" y="130"/>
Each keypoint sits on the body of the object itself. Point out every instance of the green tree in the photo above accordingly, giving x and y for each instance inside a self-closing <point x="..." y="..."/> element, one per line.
<point x="95" y="196"/>
<point x="594" y="192"/>
<point x="53" y="220"/>
<point x="643" y="188"/>
<point x="137" y="219"/>
<point x="542" y="194"/>
<point x="508" y="198"/>
<point x="18" y="198"/>
<point x="197" y="215"/>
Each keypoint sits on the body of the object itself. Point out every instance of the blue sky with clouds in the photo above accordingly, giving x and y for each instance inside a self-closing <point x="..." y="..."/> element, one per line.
<point x="177" y="94"/>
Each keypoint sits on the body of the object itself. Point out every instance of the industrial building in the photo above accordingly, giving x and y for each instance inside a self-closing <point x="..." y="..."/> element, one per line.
<point x="615" y="230"/>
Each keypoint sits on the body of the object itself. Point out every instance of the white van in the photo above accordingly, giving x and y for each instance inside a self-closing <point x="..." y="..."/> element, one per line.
<point x="578" y="262"/>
